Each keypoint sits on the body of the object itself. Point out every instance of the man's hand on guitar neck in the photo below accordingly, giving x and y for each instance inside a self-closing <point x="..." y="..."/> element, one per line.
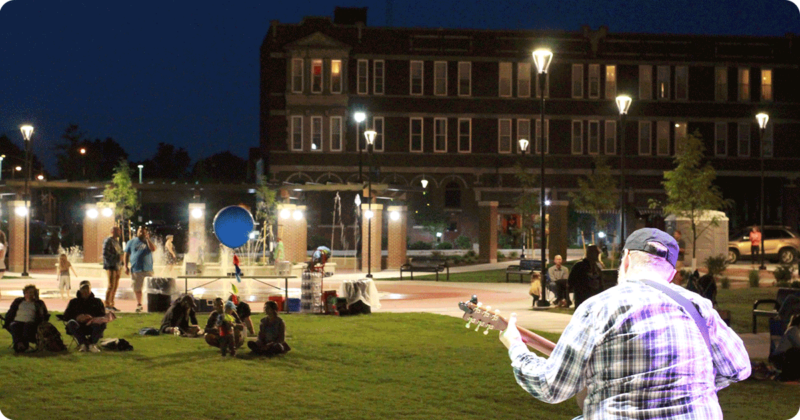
<point x="511" y="335"/>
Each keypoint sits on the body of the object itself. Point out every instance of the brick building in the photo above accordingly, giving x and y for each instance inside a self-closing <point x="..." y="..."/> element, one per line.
<point x="449" y="106"/>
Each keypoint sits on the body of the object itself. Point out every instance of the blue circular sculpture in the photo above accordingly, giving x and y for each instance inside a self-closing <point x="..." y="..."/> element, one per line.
<point x="233" y="225"/>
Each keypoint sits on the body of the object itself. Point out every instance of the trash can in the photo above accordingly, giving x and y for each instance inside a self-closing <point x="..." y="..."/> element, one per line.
<point x="159" y="293"/>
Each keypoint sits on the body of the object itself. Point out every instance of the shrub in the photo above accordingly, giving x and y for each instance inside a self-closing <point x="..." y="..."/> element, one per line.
<point x="513" y="254"/>
<point x="456" y="259"/>
<point x="782" y="275"/>
<point x="505" y="241"/>
<point x="464" y="242"/>
<point x="472" y="253"/>
<point x="716" y="264"/>
<point x="436" y="254"/>
<point x="753" y="278"/>
<point x="500" y="256"/>
<point x="420" y="245"/>
<point x="444" y="245"/>
<point x="725" y="282"/>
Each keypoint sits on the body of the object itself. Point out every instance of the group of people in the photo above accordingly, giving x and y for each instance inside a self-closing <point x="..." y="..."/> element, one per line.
<point x="583" y="281"/>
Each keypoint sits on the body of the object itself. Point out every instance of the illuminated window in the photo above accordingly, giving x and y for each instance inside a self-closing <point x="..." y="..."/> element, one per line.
<point x="662" y="138"/>
<point x="363" y="77"/>
<point x="440" y="78"/>
<point x="415" y="134"/>
<point x="744" y="140"/>
<point x="611" y="137"/>
<point x="464" y="135"/>
<point x="505" y="79"/>
<point x="662" y="88"/>
<point x="297" y="133"/>
<point x="766" y="85"/>
<point x="611" y="82"/>
<point x="577" y="80"/>
<point x="316" y="134"/>
<point x="464" y="78"/>
<point x="524" y="131"/>
<point x="721" y="139"/>
<point x="297" y="75"/>
<point x="646" y="82"/>
<point x="577" y="137"/>
<point x="721" y="81"/>
<point x="681" y="83"/>
<point x="504" y="136"/>
<point x="744" y="84"/>
<point x="377" y="77"/>
<point x="336" y="134"/>
<point x="440" y="135"/>
<point x="336" y="76"/>
<point x="416" y="69"/>
<point x="524" y="80"/>
<point x="645" y="138"/>
<point x="594" y="81"/>
<point x="316" y="76"/>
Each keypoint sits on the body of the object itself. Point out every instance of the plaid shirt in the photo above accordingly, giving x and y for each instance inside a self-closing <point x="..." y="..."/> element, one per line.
<point x="640" y="355"/>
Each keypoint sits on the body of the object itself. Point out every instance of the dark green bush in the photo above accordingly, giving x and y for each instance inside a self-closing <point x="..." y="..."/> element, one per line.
<point x="753" y="278"/>
<point x="464" y="242"/>
<point x="716" y="264"/>
<point x="444" y="245"/>
<point x="420" y="245"/>
<point x="783" y="274"/>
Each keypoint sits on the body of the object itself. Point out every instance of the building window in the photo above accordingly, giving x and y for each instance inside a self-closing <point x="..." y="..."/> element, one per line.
<point x="744" y="84"/>
<point x="766" y="85"/>
<point x="680" y="136"/>
<point x="744" y="139"/>
<point x="721" y="89"/>
<point x="577" y="80"/>
<point x="662" y="88"/>
<point x="297" y="75"/>
<point x="440" y="78"/>
<point x="316" y="76"/>
<point x="768" y="143"/>
<point x="646" y="82"/>
<point x="611" y="82"/>
<point x="415" y="134"/>
<point x="577" y="137"/>
<point x="377" y="125"/>
<point x="464" y="135"/>
<point x="452" y="195"/>
<point x="505" y="79"/>
<point x="546" y="86"/>
<point x="336" y="76"/>
<point x="336" y="134"/>
<point x="539" y="136"/>
<point x="611" y="137"/>
<point x="594" y="81"/>
<point x="524" y="80"/>
<point x="464" y="78"/>
<point x="363" y="78"/>
<point x="594" y="137"/>
<point x="681" y="83"/>
<point x="645" y="138"/>
<point x="377" y="77"/>
<point x="662" y="138"/>
<point x="316" y="134"/>
<point x="524" y="132"/>
<point x="440" y="135"/>
<point x="416" y="77"/>
<point x="504" y="136"/>
<point x="297" y="133"/>
<point x="721" y="139"/>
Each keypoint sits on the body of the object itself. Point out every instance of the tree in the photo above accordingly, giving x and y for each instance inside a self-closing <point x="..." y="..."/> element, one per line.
<point x="690" y="188"/>
<point x="96" y="164"/>
<point x="68" y="157"/>
<point x="102" y="157"/>
<point x="221" y="167"/>
<point x="122" y="193"/>
<point x="431" y="219"/>
<point x="597" y="193"/>
<point x="168" y="162"/>
<point x="527" y="203"/>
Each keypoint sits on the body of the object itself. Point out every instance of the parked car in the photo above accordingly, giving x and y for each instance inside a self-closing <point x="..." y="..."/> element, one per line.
<point x="780" y="243"/>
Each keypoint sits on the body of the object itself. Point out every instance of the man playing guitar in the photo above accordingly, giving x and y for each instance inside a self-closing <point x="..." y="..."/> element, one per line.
<point x="641" y="351"/>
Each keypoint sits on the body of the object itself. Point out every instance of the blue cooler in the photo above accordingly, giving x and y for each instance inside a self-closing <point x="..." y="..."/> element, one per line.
<point x="294" y="305"/>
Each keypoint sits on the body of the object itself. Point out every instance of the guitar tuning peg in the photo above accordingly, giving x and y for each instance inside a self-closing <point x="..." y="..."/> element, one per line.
<point x="486" y="331"/>
<point x="480" y="304"/>
<point x="497" y="312"/>
<point x="488" y="308"/>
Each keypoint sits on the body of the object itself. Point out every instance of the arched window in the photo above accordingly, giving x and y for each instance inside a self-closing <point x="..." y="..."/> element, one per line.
<point x="452" y="195"/>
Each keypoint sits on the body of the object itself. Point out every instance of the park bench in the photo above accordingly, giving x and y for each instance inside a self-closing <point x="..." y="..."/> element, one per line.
<point x="525" y="268"/>
<point x="781" y="296"/>
<point x="425" y="265"/>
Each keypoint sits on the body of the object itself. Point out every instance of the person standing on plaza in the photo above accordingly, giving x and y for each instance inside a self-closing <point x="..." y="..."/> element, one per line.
<point x="169" y="255"/>
<point x="3" y="249"/>
<point x="62" y="270"/>
<point x="112" y="263"/>
<point x="585" y="279"/>
<point x="139" y="253"/>
<point x="681" y="248"/>
<point x="559" y="275"/>
<point x="755" y="244"/>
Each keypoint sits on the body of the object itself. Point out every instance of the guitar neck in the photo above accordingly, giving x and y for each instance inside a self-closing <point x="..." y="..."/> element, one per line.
<point x="536" y="341"/>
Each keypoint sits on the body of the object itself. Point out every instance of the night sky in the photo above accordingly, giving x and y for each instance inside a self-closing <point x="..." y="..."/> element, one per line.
<point x="186" y="72"/>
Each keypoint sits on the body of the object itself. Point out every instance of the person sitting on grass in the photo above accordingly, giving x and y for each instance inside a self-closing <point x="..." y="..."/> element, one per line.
<point x="86" y="319"/>
<point x="24" y="316"/>
<point x="181" y="315"/>
<point x="271" y="334"/>
<point x="212" y="332"/>
<point x="227" y="322"/>
<point x="243" y="310"/>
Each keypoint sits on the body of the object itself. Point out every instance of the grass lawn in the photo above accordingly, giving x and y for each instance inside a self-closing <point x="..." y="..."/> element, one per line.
<point x="382" y="366"/>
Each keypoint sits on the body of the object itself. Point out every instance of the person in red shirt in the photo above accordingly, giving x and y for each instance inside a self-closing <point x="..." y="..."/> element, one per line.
<point x="755" y="243"/>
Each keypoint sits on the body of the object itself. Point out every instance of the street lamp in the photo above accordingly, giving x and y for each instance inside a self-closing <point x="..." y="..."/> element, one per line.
<point x="542" y="58"/>
<point x="26" y="130"/>
<point x="359" y="117"/>
<point x="523" y="146"/>
<point x="2" y="157"/>
<point x="370" y="135"/>
<point x="424" y="182"/>
<point x="140" y="173"/>
<point x="762" y="119"/>
<point x="83" y="162"/>
<point x="623" y="104"/>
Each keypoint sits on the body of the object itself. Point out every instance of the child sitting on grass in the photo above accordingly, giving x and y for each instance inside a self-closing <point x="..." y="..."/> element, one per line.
<point x="226" y="323"/>
<point x="271" y="333"/>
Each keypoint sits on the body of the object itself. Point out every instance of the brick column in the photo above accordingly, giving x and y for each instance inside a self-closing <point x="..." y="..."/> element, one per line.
<point x="397" y="235"/>
<point x="197" y="231"/>
<point x="557" y="239"/>
<point x="293" y="231"/>
<point x="105" y="220"/>
<point x="377" y="231"/>
<point x="16" y="237"/>
<point x="90" y="216"/>
<point x="301" y="234"/>
<point x="487" y="235"/>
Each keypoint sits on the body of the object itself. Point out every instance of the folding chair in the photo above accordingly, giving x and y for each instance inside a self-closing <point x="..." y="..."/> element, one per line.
<point x="60" y="317"/>
<point x="32" y="345"/>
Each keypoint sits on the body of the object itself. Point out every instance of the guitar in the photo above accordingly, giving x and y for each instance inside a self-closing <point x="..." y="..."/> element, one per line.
<point x="484" y="317"/>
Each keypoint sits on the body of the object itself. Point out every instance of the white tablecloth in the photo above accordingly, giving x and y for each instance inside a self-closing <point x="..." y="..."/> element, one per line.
<point x="363" y="290"/>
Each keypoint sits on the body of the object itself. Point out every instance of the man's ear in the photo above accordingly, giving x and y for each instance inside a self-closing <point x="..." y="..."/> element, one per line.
<point x="672" y="277"/>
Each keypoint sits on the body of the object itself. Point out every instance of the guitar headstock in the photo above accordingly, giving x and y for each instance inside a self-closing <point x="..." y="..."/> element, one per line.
<point x="482" y="316"/>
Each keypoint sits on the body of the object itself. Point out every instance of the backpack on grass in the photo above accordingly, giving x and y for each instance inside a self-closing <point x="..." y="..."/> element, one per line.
<point x="49" y="338"/>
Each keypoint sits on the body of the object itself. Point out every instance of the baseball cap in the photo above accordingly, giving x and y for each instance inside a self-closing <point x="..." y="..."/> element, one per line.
<point x="85" y="283"/>
<point x="640" y="241"/>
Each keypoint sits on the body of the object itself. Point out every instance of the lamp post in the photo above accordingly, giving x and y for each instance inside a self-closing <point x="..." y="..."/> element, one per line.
<point x="542" y="58"/>
<point x="83" y="162"/>
<point x="26" y="130"/>
<point x="359" y="117"/>
<point x="370" y="135"/>
<point x="140" y="173"/>
<point x="762" y="119"/>
<point x="523" y="146"/>
<point x="2" y="157"/>
<point x="623" y="104"/>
